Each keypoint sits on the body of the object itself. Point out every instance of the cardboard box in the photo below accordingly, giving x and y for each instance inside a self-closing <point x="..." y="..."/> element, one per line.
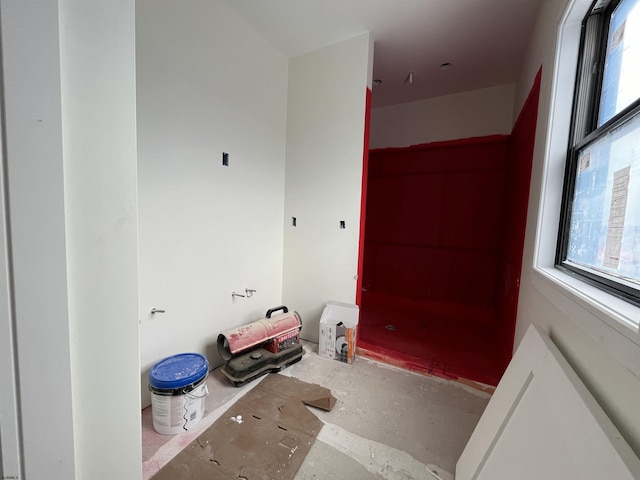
<point x="338" y="327"/>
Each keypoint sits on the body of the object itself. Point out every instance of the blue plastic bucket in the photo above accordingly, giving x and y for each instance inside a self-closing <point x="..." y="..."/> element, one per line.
<point x="178" y="392"/>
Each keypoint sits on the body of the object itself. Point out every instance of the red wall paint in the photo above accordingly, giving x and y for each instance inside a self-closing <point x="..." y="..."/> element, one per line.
<point x="434" y="227"/>
<point x="443" y="240"/>
<point x="521" y="147"/>
<point x="363" y="199"/>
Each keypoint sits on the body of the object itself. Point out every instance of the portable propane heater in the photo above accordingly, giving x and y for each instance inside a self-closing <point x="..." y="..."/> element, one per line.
<point x="267" y="345"/>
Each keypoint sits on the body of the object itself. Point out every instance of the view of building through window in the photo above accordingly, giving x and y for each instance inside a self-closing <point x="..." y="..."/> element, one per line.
<point x="604" y="227"/>
<point x="621" y="82"/>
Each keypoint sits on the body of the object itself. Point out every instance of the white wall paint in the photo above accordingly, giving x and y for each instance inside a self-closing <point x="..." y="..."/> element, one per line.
<point x="207" y="83"/>
<point x="325" y="135"/>
<point x="477" y="113"/>
<point x="10" y="454"/>
<point x="97" y="45"/>
<point x="599" y="358"/>
<point x="40" y="323"/>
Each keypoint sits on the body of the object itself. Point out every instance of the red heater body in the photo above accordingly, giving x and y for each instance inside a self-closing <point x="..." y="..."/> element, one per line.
<point x="267" y="345"/>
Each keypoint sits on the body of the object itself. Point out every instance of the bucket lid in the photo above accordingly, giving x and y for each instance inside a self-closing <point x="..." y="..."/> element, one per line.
<point x="178" y="371"/>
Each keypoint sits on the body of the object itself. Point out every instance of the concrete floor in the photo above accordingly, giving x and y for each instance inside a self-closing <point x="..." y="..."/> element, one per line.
<point x="388" y="423"/>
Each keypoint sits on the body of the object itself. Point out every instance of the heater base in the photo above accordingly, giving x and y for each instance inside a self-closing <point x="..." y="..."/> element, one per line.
<point x="251" y="365"/>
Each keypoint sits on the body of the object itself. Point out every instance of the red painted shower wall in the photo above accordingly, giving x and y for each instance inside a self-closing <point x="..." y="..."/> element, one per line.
<point x="521" y="145"/>
<point x="363" y="198"/>
<point x="443" y="243"/>
<point x="434" y="224"/>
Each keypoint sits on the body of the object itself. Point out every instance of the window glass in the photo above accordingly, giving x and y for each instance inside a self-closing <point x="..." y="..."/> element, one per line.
<point x="621" y="80"/>
<point x="605" y="219"/>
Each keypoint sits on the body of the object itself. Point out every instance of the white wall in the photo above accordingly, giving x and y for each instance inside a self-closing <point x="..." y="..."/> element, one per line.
<point x="477" y="113"/>
<point x="37" y="319"/>
<point x="71" y="254"/>
<point x="325" y="137"/>
<point x="607" y="361"/>
<point x="97" y="50"/>
<point x="204" y="229"/>
<point x="207" y="83"/>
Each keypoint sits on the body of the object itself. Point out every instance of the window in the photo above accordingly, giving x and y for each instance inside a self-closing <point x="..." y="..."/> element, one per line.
<point x="599" y="234"/>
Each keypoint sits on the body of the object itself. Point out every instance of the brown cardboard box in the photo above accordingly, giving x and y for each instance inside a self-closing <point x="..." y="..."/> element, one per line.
<point x="338" y="330"/>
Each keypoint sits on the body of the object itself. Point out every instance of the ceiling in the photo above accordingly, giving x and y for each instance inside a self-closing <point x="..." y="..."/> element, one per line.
<point x="483" y="40"/>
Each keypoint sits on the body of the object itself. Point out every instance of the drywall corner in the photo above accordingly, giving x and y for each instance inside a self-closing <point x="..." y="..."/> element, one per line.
<point x="325" y="134"/>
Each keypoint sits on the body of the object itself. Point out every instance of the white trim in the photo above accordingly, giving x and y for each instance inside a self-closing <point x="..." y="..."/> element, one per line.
<point x="606" y="319"/>
<point x="539" y="399"/>
<point x="618" y="314"/>
<point x="35" y="250"/>
<point x="10" y="448"/>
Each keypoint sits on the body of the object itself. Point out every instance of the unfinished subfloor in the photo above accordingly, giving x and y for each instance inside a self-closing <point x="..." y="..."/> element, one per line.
<point x="387" y="423"/>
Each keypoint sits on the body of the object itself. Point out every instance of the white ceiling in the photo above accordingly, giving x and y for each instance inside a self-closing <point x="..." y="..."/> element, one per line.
<point x="484" y="40"/>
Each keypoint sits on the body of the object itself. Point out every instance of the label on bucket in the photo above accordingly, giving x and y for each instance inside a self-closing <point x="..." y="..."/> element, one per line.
<point x="178" y="413"/>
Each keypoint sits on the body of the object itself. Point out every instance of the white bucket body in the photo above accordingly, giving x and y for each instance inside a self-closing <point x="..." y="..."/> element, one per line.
<point x="174" y="414"/>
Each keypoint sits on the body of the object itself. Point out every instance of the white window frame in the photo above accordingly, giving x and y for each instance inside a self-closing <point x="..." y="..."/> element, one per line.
<point x="612" y="322"/>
